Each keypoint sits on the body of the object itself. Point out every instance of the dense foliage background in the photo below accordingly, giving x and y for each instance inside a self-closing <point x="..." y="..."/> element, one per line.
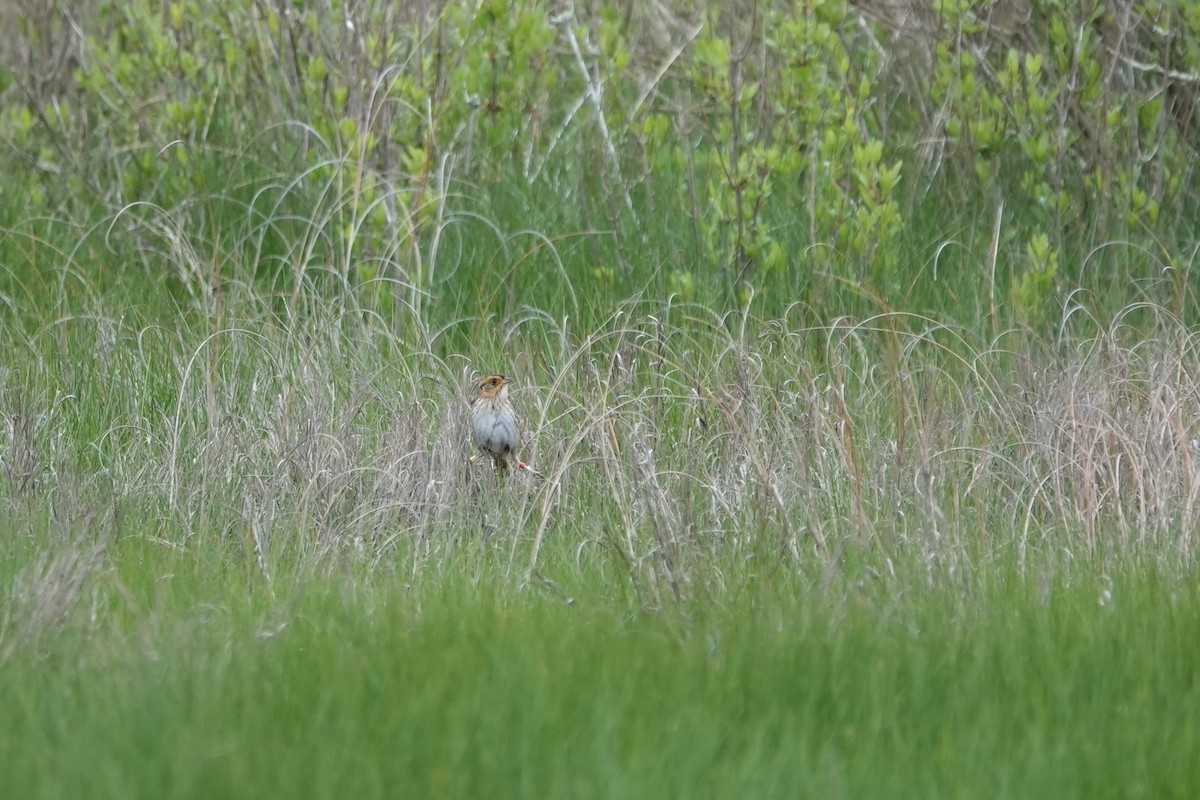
<point x="974" y="159"/>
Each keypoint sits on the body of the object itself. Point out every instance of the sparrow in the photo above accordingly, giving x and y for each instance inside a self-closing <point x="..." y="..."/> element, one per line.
<point x="494" y="422"/>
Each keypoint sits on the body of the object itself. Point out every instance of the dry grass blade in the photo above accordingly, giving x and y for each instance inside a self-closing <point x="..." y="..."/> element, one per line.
<point x="44" y="596"/>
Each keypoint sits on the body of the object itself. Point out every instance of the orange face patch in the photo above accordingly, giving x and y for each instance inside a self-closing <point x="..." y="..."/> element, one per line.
<point x="492" y="384"/>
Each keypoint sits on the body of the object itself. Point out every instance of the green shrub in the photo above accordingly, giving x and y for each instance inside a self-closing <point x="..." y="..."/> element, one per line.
<point x="787" y="146"/>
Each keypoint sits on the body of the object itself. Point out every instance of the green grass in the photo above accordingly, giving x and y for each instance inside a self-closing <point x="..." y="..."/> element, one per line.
<point x="244" y="557"/>
<point x="375" y="688"/>
<point x="885" y="556"/>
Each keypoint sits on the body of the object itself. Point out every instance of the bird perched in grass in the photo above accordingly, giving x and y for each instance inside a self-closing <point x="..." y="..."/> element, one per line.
<point x="494" y="422"/>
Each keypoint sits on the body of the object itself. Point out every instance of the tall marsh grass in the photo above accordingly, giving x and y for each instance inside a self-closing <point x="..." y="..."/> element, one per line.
<point x="681" y="449"/>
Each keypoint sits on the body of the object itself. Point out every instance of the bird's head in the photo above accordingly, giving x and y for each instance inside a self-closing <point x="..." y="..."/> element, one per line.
<point x="493" y="385"/>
